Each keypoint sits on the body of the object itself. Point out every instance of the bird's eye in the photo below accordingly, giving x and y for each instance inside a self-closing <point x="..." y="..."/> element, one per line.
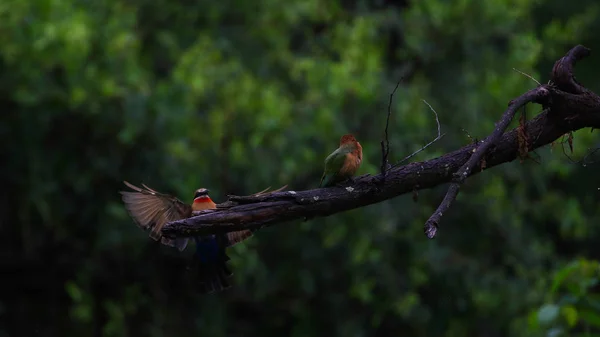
<point x="200" y="193"/>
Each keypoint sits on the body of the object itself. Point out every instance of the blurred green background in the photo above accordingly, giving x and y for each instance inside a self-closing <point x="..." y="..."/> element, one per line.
<point x="239" y="95"/>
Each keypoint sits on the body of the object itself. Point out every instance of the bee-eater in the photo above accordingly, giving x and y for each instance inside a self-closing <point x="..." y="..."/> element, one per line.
<point x="151" y="210"/>
<point x="342" y="163"/>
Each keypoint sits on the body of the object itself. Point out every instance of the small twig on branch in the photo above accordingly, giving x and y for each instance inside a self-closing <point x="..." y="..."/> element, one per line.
<point x="473" y="140"/>
<point x="586" y="158"/>
<point x="527" y="75"/>
<point x="563" y="112"/>
<point x="439" y="136"/>
<point x="562" y="76"/>
<point x="568" y="141"/>
<point x="584" y="161"/>
<point x="459" y="177"/>
<point x="385" y="147"/>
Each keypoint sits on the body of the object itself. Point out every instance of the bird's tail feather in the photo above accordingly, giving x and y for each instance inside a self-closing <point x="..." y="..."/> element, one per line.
<point x="211" y="261"/>
<point x="237" y="237"/>
<point x="326" y="180"/>
<point x="180" y="243"/>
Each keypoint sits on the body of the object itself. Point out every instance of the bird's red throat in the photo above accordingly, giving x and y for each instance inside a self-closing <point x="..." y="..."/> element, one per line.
<point x="202" y="199"/>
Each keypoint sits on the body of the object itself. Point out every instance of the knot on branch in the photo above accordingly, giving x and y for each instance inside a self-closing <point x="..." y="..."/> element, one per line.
<point x="540" y="95"/>
<point x="562" y="72"/>
<point x="459" y="177"/>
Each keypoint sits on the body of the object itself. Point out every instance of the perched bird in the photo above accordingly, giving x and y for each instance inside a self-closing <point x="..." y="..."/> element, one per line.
<point x="342" y="163"/>
<point x="151" y="210"/>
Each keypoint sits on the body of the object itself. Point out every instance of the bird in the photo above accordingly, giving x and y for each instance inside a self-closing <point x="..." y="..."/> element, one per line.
<point x="151" y="210"/>
<point x="342" y="163"/>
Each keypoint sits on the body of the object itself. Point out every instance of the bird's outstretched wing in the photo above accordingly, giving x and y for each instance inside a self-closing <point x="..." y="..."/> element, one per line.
<point x="151" y="210"/>
<point x="239" y="236"/>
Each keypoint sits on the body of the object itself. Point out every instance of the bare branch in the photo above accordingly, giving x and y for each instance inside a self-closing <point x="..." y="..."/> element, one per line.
<point x="585" y="160"/>
<point x="562" y="72"/>
<point x="527" y="75"/>
<point x="439" y="136"/>
<point x="564" y="111"/>
<point x="478" y="152"/>
<point x="538" y="95"/>
<point x="472" y="139"/>
<point x="385" y="147"/>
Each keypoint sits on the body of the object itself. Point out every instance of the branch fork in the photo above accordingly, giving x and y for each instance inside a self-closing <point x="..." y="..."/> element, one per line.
<point x="568" y="106"/>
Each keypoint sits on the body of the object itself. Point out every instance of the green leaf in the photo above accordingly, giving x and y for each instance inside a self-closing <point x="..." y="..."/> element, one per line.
<point x="562" y="274"/>
<point x="590" y="317"/>
<point x="73" y="291"/>
<point x="570" y="314"/>
<point x="548" y="313"/>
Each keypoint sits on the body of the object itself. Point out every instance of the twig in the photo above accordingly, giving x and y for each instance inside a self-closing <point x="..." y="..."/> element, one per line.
<point x="385" y="147"/>
<point x="527" y="75"/>
<point x="473" y="140"/>
<point x="562" y="76"/>
<point x="534" y="95"/>
<point x="439" y="136"/>
<point x="585" y="161"/>
<point x="562" y="145"/>
<point x="555" y="120"/>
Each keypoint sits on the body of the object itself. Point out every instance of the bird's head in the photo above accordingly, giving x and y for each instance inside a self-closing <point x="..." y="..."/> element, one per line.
<point x="202" y="200"/>
<point x="347" y="140"/>
<point x="201" y="193"/>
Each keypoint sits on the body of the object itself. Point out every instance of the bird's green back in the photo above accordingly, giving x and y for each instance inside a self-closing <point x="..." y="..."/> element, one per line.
<point x="333" y="165"/>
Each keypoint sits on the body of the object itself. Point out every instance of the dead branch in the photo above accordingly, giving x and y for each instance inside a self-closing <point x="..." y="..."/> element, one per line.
<point x="567" y="106"/>
<point x="439" y="136"/>
<point x="385" y="144"/>
<point x="527" y="75"/>
<point x="536" y="95"/>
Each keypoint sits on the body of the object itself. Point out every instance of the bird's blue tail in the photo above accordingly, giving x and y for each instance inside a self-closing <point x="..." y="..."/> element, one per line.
<point x="212" y="263"/>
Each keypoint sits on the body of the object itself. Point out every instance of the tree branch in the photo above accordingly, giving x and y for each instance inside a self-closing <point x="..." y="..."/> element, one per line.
<point x="568" y="106"/>
<point x="538" y="95"/>
<point x="385" y="144"/>
<point x="439" y="136"/>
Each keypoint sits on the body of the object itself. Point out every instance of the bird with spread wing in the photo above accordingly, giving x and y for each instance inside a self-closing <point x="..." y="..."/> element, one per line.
<point x="151" y="210"/>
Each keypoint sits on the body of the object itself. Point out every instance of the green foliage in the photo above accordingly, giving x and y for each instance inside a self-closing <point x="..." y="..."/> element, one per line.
<point x="236" y="96"/>
<point x="573" y="302"/>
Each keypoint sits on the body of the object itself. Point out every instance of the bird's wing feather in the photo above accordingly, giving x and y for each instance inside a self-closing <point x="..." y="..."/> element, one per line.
<point x="335" y="161"/>
<point x="267" y="192"/>
<point x="333" y="164"/>
<point x="234" y="238"/>
<point x="151" y="210"/>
